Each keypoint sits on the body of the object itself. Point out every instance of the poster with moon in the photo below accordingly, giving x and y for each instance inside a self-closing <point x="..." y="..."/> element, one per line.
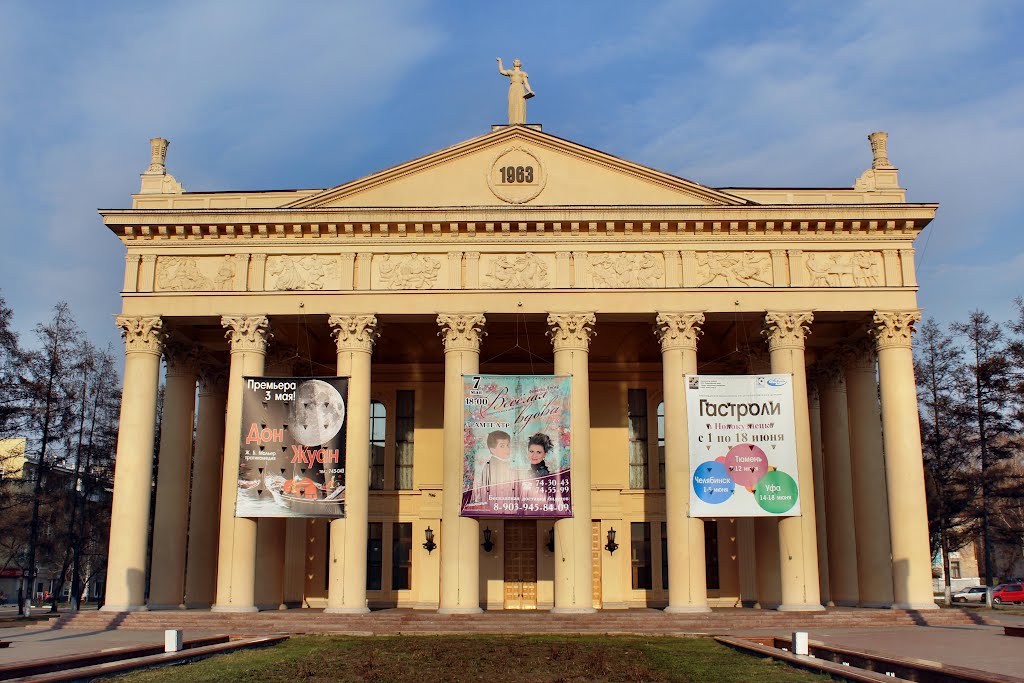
<point x="292" y="459"/>
<point x="742" y="438"/>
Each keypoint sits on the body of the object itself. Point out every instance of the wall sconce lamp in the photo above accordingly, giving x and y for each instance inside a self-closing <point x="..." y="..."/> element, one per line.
<point x="487" y="545"/>
<point x="429" y="545"/>
<point x="611" y="546"/>
<point x="550" y="545"/>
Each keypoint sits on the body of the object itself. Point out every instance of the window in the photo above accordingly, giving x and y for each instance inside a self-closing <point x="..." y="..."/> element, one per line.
<point x="954" y="569"/>
<point x="640" y="554"/>
<point x="711" y="553"/>
<point x="378" y="431"/>
<point x="661" y="445"/>
<point x="405" y="418"/>
<point x="374" y="556"/>
<point x="664" y="552"/>
<point x="637" y="414"/>
<point x="401" y="556"/>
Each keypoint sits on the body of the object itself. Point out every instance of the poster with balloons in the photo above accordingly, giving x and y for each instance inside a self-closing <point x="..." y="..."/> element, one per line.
<point x="742" y="446"/>
<point x="292" y="459"/>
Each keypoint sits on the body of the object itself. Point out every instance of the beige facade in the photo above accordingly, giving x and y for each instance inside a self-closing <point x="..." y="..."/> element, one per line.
<point x="521" y="252"/>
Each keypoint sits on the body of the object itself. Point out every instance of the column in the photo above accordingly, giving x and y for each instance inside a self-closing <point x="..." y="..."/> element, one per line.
<point x="687" y="583"/>
<point x="204" y="516"/>
<point x="269" y="572"/>
<point x="759" y="544"/>
<point x="570" y="334"/>
<point x="346" y="591"/>
<point x="460" y="547"/>
<point x="870" y="501"/>
<point x="904" y="464"/>
<point x="814" y="412"/>
<point x="294" y="562"/>
<point x="133" y="473"/>
<point x="170" y="519"/>
<point x="236" y="563"/>
<point x="838" y="492"/>
<point x="798" y="551"/>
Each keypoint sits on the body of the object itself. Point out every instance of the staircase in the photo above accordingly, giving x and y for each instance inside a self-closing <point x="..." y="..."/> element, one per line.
<point x="418" y="622"/>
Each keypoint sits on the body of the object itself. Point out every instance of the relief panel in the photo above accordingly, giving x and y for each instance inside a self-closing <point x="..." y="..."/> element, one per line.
<point x="409" y="271"/>
<point x="196" y="273"/>
<point x="734" y="269"/>
<point x="517" y="271"/>
<point x="626" y="270"/>
<point x="302" y="272"/>
<point x="844" y="269"/>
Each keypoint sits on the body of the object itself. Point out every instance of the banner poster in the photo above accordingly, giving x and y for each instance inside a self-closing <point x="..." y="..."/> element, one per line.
<point x="516" y="441"/>
<point x="292" y="460"/>
<point x="742" y="446"/>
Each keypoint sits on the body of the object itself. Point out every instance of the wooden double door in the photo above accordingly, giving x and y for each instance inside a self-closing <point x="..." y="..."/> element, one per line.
<point x="520" y="564"/>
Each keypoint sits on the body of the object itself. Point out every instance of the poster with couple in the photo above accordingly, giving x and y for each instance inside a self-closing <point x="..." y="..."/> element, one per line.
<point x="517" y="446"/>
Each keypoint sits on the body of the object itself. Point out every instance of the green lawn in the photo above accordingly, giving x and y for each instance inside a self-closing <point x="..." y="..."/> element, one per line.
<point x="518" y="659"/>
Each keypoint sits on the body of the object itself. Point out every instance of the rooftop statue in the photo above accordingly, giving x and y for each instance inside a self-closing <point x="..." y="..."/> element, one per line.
<point x="518" y="91"/>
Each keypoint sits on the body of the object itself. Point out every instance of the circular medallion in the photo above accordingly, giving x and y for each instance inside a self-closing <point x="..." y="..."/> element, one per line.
<point x="318" y="413"/>
<point x="516" y="176"/>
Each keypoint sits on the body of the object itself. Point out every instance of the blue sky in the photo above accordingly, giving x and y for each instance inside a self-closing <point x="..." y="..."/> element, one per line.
<point x="271" y="95"/>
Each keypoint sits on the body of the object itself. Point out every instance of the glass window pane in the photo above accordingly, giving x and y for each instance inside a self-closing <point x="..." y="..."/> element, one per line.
<point x="405" y="424"/>
<point x="378" y="429"/>
<point x="401" y="556"/>
<point x="711" y="553"/>
<point x="374" y="556"/>
<point x="637" y="421"/>
<point x="640" y="555"/>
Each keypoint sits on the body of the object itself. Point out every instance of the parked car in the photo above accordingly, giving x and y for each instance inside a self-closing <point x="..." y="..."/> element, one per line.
<point x="970" y="594"/>
<point x="1008" y="592"/>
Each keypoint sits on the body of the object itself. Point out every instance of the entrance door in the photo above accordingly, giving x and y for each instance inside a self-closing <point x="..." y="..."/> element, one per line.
<point x="595" y="551"/>
<point x="520" y="564"/>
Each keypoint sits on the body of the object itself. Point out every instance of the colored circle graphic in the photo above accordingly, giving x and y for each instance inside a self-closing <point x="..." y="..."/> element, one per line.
<point x="711" y="482"/>
<point x="746" y="464"/>
<point x="776" y="492"/>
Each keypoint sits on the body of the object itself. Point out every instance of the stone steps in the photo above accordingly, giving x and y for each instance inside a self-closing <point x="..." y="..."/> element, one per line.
<point x="416" y="622"/>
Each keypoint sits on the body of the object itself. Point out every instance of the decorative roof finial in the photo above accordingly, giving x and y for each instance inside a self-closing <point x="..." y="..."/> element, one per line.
<point x="879" y="142"/>
<point x="158" y="146"/>
<point x="518" y="91"/>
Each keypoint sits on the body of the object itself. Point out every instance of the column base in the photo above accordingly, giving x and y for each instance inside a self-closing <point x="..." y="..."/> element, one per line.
<point x="573" y="610"/>
<point x="234" y="608"/>
<point x="687" y="609"/>
<point x="915" y="606"/>
<point x="459" y="610"/>
<point x="876" y="605"/>
<point x="164" y="608"/>
<point x="124" y="608"/>
<point x="346" y="610"/>
<point x="800" y="608"/>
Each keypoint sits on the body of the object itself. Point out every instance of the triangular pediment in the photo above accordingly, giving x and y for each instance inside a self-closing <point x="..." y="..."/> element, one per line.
<point x="518" y="166"/>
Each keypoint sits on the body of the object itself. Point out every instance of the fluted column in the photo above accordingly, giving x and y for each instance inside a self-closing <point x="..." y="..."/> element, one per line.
<point x="904" y="465"/>
<point x="460" y="549"/>
<point x="814" y="413"/>
<point x="207" y="465"/>
<point x="346" y="589"/>
<point x="870" y="500"/>
<point x="133" y="473"/>
<point x="839" y="520"/>
<point x="570" y="335"/>
<point x="759" y="536"/>
<point x="170" y="519"/>
<point x="236" y="563"/>
<point x="798" y="552"/>
<point x="687" y="584"/>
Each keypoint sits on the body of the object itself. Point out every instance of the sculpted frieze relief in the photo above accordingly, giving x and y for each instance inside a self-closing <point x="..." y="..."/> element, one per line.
<point x="734" y="269"/>
<point x="844" y="269"/>
<point x="627" y="270"/>
<point x="195" y="273"/>
<point x="302" y="272"/>
<point x="515" y="271"/>
<point x="409" y="271"/>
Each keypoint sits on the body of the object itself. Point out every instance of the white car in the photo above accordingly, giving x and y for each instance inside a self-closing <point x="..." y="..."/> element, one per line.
<point x="971" y="594"/>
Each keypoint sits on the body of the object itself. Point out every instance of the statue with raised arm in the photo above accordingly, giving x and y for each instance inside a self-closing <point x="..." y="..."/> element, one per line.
<point x="518" y="91"/>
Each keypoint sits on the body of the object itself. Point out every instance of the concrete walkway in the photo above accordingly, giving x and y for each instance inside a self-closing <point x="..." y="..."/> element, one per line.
<point x="33" y="644"/>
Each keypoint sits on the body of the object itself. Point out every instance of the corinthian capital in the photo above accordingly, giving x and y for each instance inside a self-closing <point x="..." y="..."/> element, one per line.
<point x="571" y="330"/>
<point x="787" y="329"/>
<point x="213" y="377"/>
<point x="678" y="330"/>
<point x="894" y="328"/>
<point x="181" y="357"/>
<point x="859" y="356"/>
<point x="247" y="332"/>
<point x="143" y="334"/>
<point x="461" y="331"/>
<point x="354" y="332"/>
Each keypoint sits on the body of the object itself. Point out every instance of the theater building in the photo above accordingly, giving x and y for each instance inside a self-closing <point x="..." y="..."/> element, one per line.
<point x="520" y="252"/>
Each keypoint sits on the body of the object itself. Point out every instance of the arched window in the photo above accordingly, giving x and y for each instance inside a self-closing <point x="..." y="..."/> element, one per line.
<point x="378" y="433"/>
<point x="661" y="445"/>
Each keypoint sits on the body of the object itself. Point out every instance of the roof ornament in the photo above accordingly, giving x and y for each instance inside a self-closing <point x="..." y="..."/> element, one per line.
<point x="519" y="91"/>
<point x="156" y="179"/>
<point x="879" y="143"/>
